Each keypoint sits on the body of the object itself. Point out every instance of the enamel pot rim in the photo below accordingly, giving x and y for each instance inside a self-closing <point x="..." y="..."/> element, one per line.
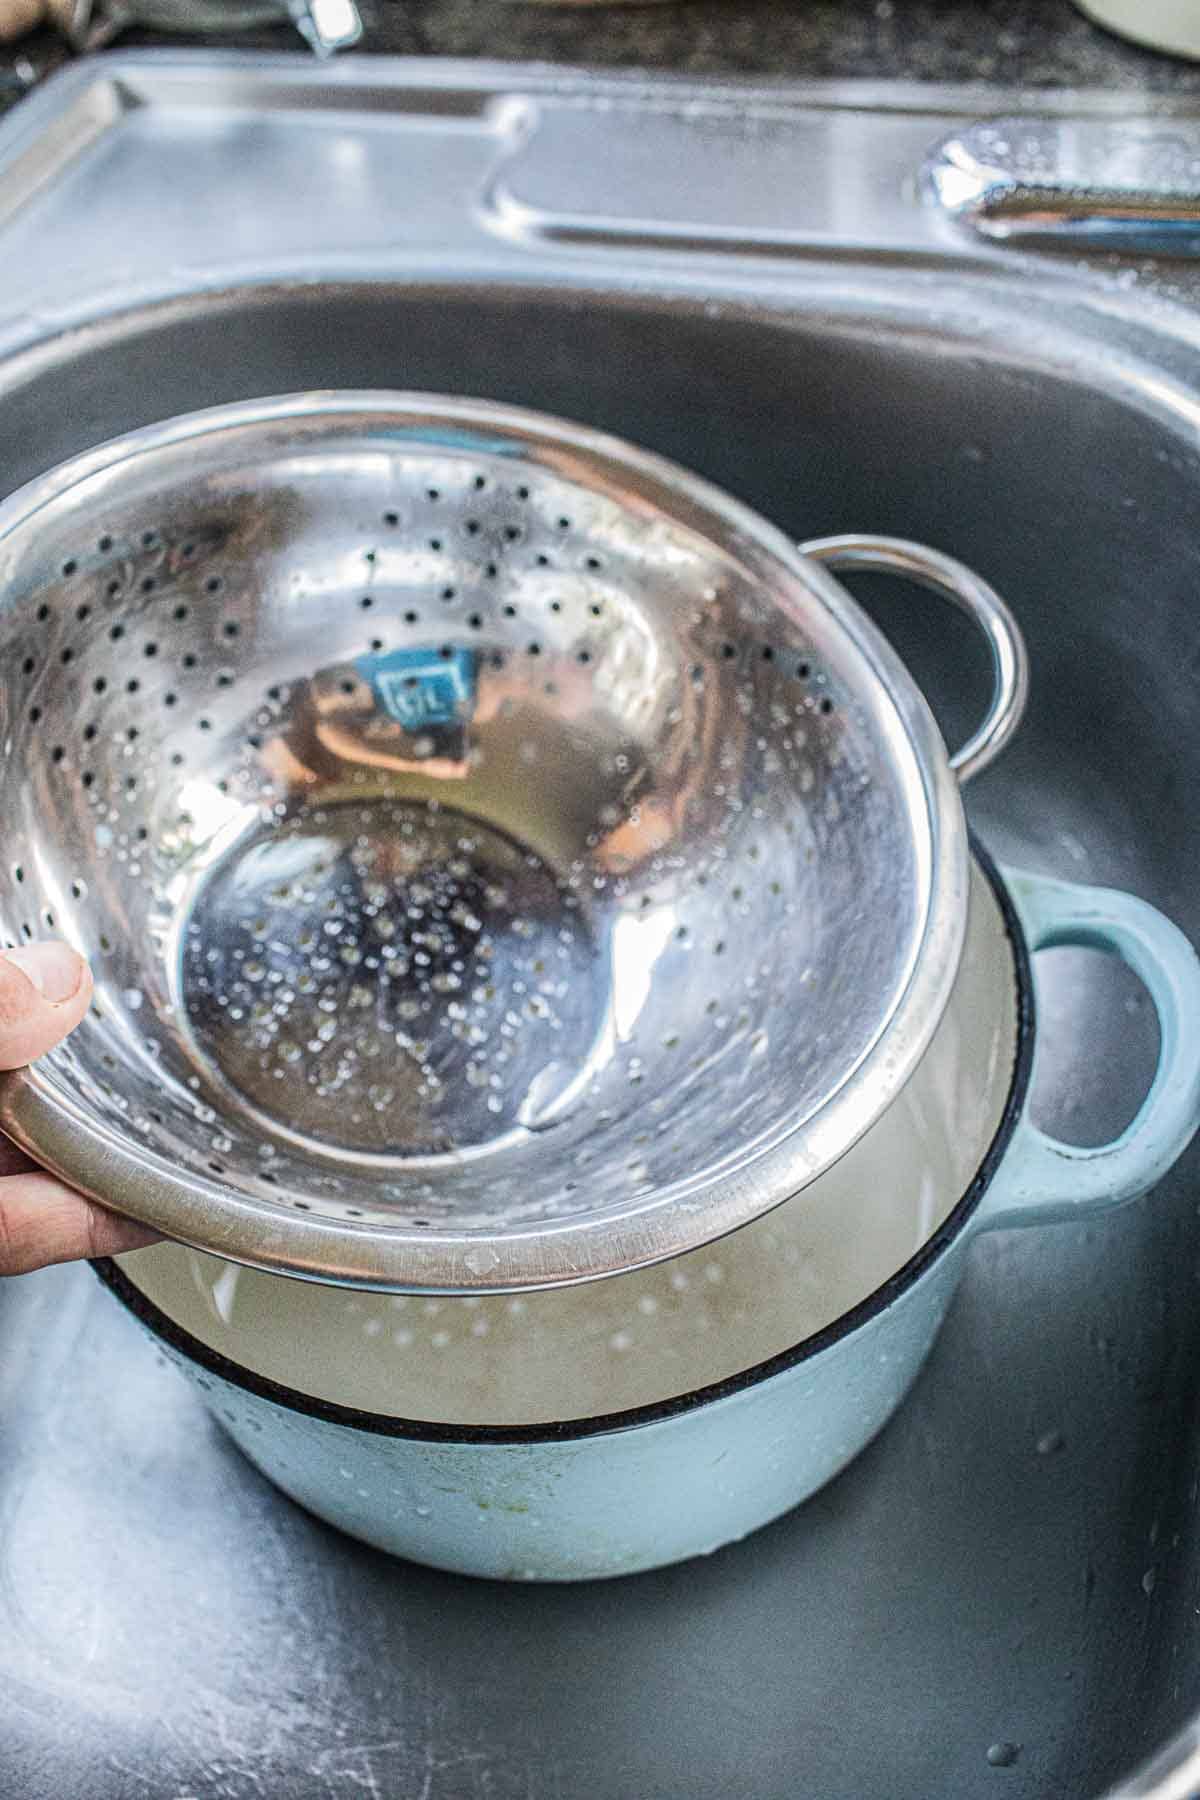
<point x="214" y="1362"/>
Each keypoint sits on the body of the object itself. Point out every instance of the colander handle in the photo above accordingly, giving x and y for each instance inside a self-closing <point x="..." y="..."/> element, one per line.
<point x="943" y="575"/>
<point x="1042" y="1180"/>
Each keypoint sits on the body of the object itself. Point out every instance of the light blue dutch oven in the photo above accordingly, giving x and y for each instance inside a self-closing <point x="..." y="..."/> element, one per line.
<point x="680" y="1474"/>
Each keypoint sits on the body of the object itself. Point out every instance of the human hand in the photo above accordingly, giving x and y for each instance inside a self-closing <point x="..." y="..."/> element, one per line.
<point x="45" y="990"/>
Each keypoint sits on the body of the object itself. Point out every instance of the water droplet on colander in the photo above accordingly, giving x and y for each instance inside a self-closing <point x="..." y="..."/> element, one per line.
<point x="547" y="1097"/>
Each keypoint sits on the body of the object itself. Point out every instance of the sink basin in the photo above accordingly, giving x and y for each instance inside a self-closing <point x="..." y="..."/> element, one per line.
<point x="1000" y="1595"/>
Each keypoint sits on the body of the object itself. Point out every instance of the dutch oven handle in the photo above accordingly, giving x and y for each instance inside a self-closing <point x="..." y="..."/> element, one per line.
<point x="941" y="574"/>
<point x="1042" y="1180"/>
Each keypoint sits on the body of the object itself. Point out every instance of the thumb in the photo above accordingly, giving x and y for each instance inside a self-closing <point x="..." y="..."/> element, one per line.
<point x="44" y="992"/>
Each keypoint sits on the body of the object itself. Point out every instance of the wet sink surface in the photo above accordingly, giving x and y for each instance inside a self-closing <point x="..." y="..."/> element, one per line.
<point x="1013" y="1567"/>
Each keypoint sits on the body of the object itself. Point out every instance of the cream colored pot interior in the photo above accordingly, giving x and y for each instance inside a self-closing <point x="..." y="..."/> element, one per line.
<point x="636" y="1339"/>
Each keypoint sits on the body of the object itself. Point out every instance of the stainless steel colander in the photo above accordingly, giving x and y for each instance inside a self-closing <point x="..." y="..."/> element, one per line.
<point x="505" y="859"/>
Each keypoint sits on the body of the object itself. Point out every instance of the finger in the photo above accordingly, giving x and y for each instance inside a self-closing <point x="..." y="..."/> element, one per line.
<point x="42" y="1222"/>
<point x="45" y="990"/>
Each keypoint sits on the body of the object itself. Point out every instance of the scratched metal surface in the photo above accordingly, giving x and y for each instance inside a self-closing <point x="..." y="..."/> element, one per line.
<point x="1017" y="1560"/>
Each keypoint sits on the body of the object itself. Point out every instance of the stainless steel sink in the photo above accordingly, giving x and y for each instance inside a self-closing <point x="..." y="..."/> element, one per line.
<point x="1002" y="1594"/>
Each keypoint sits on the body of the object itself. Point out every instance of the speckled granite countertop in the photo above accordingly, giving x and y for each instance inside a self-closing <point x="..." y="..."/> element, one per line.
<point x="1035" y="43"/>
